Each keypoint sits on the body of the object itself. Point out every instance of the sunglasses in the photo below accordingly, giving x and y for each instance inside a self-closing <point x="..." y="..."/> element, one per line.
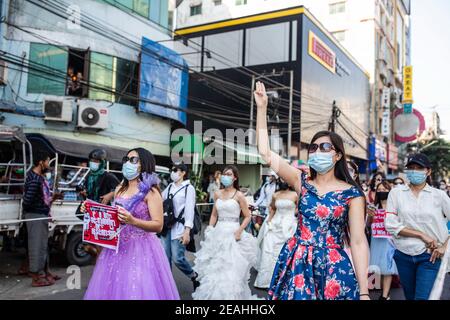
<point x="133" y="160"/>
<point x="324" y="147"/>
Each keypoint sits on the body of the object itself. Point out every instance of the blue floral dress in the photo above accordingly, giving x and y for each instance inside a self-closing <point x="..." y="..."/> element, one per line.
<point x="313" y="264"/>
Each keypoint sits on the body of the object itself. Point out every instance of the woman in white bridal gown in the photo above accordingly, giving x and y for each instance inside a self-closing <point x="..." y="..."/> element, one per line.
<point x="228" y="252"/>
<point x="276" y="230"/>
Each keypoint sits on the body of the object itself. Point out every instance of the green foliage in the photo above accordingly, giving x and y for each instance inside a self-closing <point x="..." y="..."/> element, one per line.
<point x="196" y="181"/>
<point x="438" y="151"/>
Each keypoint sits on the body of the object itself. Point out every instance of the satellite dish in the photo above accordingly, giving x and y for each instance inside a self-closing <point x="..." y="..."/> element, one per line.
<point x="407" y="125"/>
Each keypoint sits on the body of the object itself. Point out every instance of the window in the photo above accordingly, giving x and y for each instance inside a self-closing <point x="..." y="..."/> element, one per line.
<point x="113" y="74"/>
<point x="195" y="10"/>
<point x="101" y="75"/>
<point x="226" y="50"/>
<point x="338" y="7"/>
<point x="141" y="7"/>
<point x="217" y="2"/>
<point x="267" y="44"/>
<point x="241" y="2"/>
<point x="48" y="69"/>
<point x="339" y="35"/>
<point x="294" y="40"/>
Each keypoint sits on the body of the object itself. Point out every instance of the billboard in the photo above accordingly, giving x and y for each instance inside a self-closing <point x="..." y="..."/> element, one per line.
<point x="163" y="81"/>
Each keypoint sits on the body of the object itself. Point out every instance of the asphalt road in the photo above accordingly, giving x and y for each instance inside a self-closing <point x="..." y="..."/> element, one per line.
<point x="14" y="287"/>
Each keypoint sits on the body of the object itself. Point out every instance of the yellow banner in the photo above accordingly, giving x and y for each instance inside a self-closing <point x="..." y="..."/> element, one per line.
<point x="407" y="84"/>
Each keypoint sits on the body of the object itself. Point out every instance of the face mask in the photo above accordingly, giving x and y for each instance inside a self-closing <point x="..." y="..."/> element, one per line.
<point x="94" y="166"/>
<point x="416" y="177"/>
<point x="382" y="196"/>
<point x="443" y="187"/>
<point x="226" y="181"/>
<point x="175" y="176"/>
<point x="48" y="175"/>
<point x="130" y="171"/>
<point x="321" y="162"/>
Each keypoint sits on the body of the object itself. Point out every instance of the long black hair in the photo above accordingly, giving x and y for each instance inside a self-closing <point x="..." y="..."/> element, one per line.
<point x="387" y="186"/>
<point x="373" y="180"/>
<point x="148" y="165"/>
<point x="235" y="171"/>
<point x="340" y="169"/>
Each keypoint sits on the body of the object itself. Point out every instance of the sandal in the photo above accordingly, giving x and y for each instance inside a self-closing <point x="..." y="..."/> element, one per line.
<point x="53" y="276"/>
<point x="41" y="281"/>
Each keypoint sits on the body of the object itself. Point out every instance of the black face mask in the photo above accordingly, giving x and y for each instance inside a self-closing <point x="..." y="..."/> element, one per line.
<point x="283" y="186"/>
<point x="382" y="196"/>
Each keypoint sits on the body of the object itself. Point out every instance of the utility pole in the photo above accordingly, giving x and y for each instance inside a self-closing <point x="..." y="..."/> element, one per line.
<point x="252" y="138"/>
<point x="334" y="115"/>
<point x="291" y="103"/>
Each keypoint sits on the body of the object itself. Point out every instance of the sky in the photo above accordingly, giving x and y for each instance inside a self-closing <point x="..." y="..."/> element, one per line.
<point x="430" y="57"/>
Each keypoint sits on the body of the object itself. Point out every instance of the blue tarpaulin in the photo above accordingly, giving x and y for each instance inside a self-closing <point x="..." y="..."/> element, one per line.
<point x="164" y="79"/>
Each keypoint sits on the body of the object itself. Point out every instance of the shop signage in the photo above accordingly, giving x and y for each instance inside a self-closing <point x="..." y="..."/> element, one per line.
<point x="407" y="84"/>
<point x="321" y="52"/>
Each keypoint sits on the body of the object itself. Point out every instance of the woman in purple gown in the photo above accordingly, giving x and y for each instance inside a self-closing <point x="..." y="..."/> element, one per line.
<point x="140" y="269"/>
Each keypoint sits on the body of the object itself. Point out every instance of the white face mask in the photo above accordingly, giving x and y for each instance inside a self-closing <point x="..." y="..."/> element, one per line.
<point x="175" y="176"/>
<point x="48" y="175"/>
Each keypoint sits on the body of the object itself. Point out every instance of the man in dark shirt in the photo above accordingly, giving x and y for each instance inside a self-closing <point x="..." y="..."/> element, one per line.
<point x="36" y="203"/>
<point x="99" y="186"/>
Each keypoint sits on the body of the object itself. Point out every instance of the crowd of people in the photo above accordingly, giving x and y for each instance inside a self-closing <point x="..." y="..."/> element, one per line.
<point x="316" y="242"/>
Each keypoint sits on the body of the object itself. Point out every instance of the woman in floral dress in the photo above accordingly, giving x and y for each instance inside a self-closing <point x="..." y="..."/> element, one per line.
<point x="313" y="264"/>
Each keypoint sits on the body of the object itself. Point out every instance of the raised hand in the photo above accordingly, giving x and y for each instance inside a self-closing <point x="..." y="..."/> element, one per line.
<point x="260" y="95"/>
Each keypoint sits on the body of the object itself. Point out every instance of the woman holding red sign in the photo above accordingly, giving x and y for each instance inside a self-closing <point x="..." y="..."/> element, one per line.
<point x="139" y="270"/>
<point x="381" y="246"/>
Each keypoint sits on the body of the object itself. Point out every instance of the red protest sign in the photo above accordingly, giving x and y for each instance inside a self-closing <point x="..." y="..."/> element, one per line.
<point x="101" y="225"/>
<point x="378" y="228"/>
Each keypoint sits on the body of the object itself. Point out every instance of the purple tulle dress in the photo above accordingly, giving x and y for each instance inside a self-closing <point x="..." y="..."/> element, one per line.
<point x="140" y="269"/>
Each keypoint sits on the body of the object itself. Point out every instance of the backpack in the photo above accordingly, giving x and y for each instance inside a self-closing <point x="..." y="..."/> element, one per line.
<point x="169" y="212"/>
<point x="197" y="223"/>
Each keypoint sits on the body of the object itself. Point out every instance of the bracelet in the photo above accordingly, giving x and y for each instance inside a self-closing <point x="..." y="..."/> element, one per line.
<point x="364" y="294"/>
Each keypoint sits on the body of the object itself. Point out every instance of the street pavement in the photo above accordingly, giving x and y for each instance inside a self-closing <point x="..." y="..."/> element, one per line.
<point x="14" y="287"/>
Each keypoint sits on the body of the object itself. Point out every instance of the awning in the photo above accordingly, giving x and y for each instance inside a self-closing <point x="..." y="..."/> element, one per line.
<point x="77" y="149"/>
<point x="247" y="154"/>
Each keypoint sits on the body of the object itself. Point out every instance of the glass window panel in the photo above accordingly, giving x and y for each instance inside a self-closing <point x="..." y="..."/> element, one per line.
<point x="267" y="44"/>
<point x="123" y="4"/>
<point x="53" y="63"/>
<point x="195" y="10"/>
<point x="126" y="82"/>
<point x="141" y="7"/>
<point x="294" y="40"/>
<point x="101" y="75"/>
<point x="226" y="50"/>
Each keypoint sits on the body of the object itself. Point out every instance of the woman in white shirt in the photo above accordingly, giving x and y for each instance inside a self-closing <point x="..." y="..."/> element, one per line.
<point x="178" y="237"/>
<point x="417" y="216"/>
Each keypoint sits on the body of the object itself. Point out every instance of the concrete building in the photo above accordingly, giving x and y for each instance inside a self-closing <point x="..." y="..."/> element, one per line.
<point x="376" y="32"/>
<point x="112" y="68"/>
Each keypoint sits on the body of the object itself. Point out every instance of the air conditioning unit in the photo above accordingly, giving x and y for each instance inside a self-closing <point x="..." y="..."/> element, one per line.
<point x="56" y="108"/>
<point x="92" y="115"/>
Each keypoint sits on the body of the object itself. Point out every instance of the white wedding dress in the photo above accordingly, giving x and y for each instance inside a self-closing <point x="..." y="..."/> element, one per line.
<point x="271" y="239"/>
<point x="222" y="263"/>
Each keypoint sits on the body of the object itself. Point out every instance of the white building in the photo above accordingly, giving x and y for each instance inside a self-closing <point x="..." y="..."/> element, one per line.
<point x="375" y="32"/>
<point x="102" y="42"/>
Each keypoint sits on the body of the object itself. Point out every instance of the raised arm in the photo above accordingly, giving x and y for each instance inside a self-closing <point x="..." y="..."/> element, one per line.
<point x="287" y="172"/>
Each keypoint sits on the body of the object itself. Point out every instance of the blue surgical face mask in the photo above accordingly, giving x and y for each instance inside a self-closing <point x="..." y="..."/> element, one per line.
<point x="94" y="166"/>
<point x="130" y="171"/>
<point x="416" y="177"/>
<point x="226" y="181"/>
<point x="321" y="162"/>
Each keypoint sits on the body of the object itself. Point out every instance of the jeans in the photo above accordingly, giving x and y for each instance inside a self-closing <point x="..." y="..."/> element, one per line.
<point x="175" y="251"/>
<point x="417" y="274"/>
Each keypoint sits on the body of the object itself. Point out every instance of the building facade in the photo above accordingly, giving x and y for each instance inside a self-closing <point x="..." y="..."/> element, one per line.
<point x="294" y="54"/>
<point x="376" y="32"/>
<point x="78" y="76"/>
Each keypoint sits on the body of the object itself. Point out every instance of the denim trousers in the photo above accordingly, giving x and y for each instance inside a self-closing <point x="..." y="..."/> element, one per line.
<point x="417" y="274"/>
<point x="175" y="252"/>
